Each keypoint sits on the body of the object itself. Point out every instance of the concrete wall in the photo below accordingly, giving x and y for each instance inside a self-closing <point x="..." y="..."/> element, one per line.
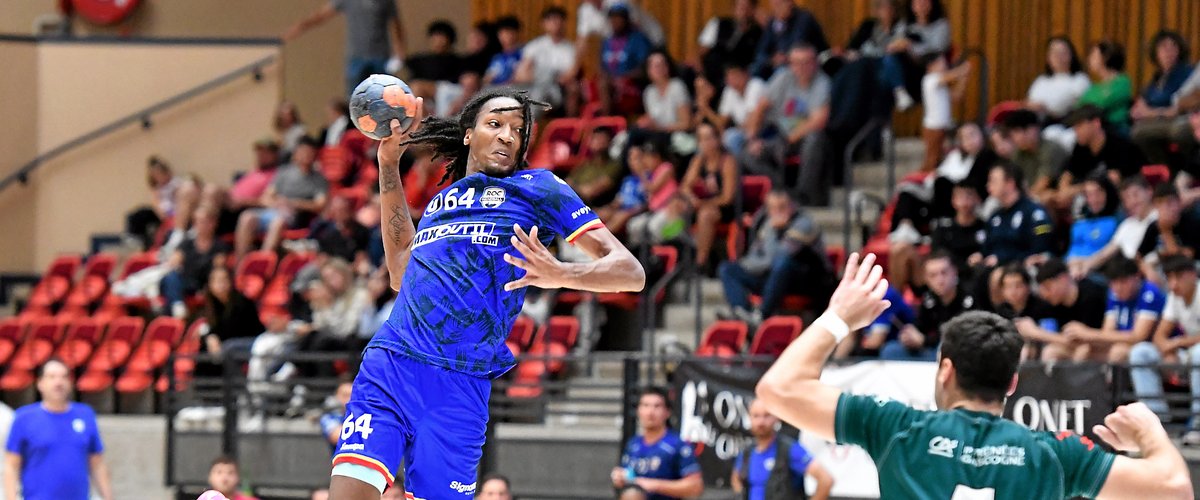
<point x="18" y="143"/>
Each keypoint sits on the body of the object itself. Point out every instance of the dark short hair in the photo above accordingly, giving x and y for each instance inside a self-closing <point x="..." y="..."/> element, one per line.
<point x="932" y="57"/>
<point x="444" y="28"/>
<point x="1137" y="181"/>
<point x="224" y="460"/>
<point x="497" y="477"/>
<point x="965" y="184"/>
<point x="938" y="254"/>
<point x="1019" y="119"/>
<point x="1050" y="269"/>
<point x="41" y="369"/>
<point x="1011" y="172"/>
<point x="1084" y="113"/>
<point x="1119" y="266"/>
<point x="554" y="11"/>
<point x="1174" y="37"/>
<point x="1178" y="263"/>
<point x="1112" y="52"/>
<point x="1018" y="270"/>
<point x="1164" y="191"/>
<point x="508" y="23"/>
<point x="654" y="390"/>
<point x="735" y="64"/>
<point x="307" y="140"/>
<point x="985" y="349"/>
<point x="1076" y="66"/>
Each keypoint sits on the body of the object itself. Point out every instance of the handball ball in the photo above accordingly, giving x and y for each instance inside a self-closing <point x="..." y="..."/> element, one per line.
<point x="379" y="99"/>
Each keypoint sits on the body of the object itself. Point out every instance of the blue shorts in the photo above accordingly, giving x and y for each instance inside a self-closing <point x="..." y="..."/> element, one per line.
<point x="432" y="418"/>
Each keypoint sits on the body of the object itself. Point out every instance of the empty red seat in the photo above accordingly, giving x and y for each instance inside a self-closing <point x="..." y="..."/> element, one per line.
<point x="124" y="333"/>
<point x="253" y="272"/>
<point x="93" y="285"/>
<point x="12" y="334"/>
<point x="520" y="336"/>
<point x="774" y="335"/>
<point x="555" y="341"/>
<point x="559" y="141"/>
<point x="161" y="337"/>
<point x="527" y="379"/>
<point x="42" y="337"/>
<point x="185" y="359"/>
<point x="278" y="292"/>
<point x="723" y="339"/>
<point x="82" y="337"/>
<point x="52" y="290"/>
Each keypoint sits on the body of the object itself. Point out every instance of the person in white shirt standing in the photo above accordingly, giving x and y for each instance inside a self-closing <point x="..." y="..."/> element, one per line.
<point x="548" y="61"/>
<point x="940" y="86"/>
<point x="1182" y="312"/>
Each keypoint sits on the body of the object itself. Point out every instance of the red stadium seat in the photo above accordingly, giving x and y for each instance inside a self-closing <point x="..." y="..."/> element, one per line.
<point x="723" y="339"/>
<point x="52" y="290"/>
<point x="754" y="194"/>
<point x="774" y="335"/>
<point x="796" y="302"/>
<point x="527" y="379"/>
<point x="43" y="336"/>
<point x="555" y="341"/>
<point x="335" y="164"/>
<point x="137" y="262"/>
<point x="83" y="334"/>
<point x="559" y="143"/>
<point x="185" y="361"/>
<point x="164" y="231"/>
<point x="253" y="272"/>
<point x="93" y="286"/>
<point x="1156" y="174"/>
<point x="1001" y="110"/>
<point x="162" y="335"/>
<point x="123" y="336"/>
<point x="12" y="334"/>
<point x="628" y="301"/>
<point x="278" y="292"/>
<point x="520" y="336"/>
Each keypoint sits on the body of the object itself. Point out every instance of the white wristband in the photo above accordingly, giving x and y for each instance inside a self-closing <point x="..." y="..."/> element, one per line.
<point x="833" y="324"/>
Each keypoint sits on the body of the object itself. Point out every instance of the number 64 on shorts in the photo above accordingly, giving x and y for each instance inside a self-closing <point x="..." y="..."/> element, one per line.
<point x="361" y="425"/>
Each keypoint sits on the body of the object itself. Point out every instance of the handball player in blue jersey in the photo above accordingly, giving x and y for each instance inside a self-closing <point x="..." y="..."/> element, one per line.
<point x="421" y="395"/>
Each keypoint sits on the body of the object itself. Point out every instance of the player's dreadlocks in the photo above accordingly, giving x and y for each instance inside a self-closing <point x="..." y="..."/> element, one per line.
<point x="445" y="135"/>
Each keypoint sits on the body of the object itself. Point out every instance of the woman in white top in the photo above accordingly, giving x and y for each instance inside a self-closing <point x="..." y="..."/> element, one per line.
<point x="668" y="105"/>
<point x="1056" y="91"/>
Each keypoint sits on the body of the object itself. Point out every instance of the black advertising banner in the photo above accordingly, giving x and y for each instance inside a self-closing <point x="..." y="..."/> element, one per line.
<point x="714" y="399"/>
<point x="1061" y="397"/>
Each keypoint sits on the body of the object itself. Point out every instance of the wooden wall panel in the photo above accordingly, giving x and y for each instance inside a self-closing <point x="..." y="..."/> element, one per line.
<point x="1011" y="33"/>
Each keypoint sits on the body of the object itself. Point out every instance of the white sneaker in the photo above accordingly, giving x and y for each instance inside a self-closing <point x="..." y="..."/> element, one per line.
<point x="285" y="372"/>
<point x="1192" y="438"/>
<point x="903" y="100"/>
<point x="905" y="233"/>
<point x="179" y="310"/>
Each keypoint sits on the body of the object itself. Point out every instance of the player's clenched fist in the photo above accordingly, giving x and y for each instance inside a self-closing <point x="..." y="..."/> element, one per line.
<point x="858" y="299"/>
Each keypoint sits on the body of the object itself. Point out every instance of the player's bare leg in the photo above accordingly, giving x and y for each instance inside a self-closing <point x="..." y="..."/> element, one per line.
<point x="348" y="488"/>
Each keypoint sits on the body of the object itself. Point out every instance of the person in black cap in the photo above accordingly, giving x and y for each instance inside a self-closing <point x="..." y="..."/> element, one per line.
<point x="1040" y="160"/>
<point x="1096" y="148"/>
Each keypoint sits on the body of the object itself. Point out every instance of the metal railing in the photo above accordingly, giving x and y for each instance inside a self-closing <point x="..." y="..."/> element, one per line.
<point x="857" y="141"/>
<point x="142" y="116"/>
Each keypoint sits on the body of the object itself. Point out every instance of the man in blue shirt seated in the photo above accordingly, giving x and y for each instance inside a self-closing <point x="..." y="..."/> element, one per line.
<point x="777" y="463"/>
<point x="331" y="421"/>
<point x="1134" y="308"/>
<point x="54" y="446"/>
<point x="657" y="459"/>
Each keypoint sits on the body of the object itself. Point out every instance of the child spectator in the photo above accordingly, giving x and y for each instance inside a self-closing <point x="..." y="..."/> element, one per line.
<point x="663" y="221"/>
<point x="649" y="185"/>
<point x="939" y="88"/>
<point x="331" y="421"/>
<point x="337" y="303"/>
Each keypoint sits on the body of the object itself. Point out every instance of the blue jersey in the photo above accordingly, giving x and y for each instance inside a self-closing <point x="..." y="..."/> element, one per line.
<point x="328" y="423"/>
<point x="1089" y="235"/>
<point x="668" y="458"/>
<point x="504" y="66"/>
<point x="763" y="462"/>
<point x="892" y="319"/>
<point x="55" y="449"/>
<point x="1148" y="302"/>
<point x="452" y="310"/>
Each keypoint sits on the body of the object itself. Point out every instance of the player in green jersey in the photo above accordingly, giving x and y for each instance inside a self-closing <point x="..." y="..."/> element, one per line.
<point x="965" y="450"/>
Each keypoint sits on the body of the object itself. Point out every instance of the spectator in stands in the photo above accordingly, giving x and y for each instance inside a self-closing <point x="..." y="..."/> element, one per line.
<point x="337" y="114"/>
<point x="440" y="65"/>
<point x="231" y="319"/>
<point x="739" y="98"/>
<point x="1096" y="148"/>
<point x="223" y="476"/>
<point x="369" y="48"/>
<point x="709" y="186"/>
<point x="656" y="459"/>
<point x="940" y="87"/>
<point x="960" y="236"/>
<point x="192" y="262"/>
<point x="40" y="461"/>
<point x="1177" y="231"/>
<point x="1019" y="301"/>
<point x="969" y="162"/>
<point x="1130" y="239"/>
<point x="266" y="354"/>
<point x="331" y="421"/>
<point x="1094" y="225"/>
<point x="790" y="121"/>
<point x="1180" y="315"/>
<point x="294" y="197"/>
<point x="1154" y="111"/>
<point x="1134" y="308"/>
<point x="494" y="487"/>
<point x="776" y="465"/>
<point x="592" y="20"/>
<point x="622" y="56"/>
<point x="1056" y="91"/>
<point x="248" y="190"/>
<point x="1111" y="91"/>
<point x="504" y="64"/>
<point x="1020" y="228"/>
<point x="632" y="492"/>
<point x="482" y="45"/>
<point x="943" y="299"/>
<point x="664" y="218"/>
<point x="1040" y="160"/>
<point x="649" y="186"/>
<point x="666" y="101"/>
<point x="785" y="255"/>
<point x="339" y="233"/>
<point x="1186" y="180"/>
<point x="729" y="40"/>
<point x="143" y="222"/>
<point x="378" y="308"/>
<point x="289" y="129"/>
<point x="337" y="303"/>
<point x="596" y="178"/>
<point x="548" y="62"/>
<point x="788" y="27"/>
<point x="876" y="34"/>
<point x="885" y="328"/>
<point x="1073" y="305"/>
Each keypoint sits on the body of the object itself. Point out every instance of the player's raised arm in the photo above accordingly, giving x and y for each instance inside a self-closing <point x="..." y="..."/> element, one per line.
<point x="398" y="230"/>
<point x="614" y="269"/>
<point x="1159" y="473"/>
<point x="791" y="388"/>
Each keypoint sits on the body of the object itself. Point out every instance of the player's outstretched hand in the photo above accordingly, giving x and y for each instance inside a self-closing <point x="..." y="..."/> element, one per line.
<point x="542" y="269"/>
<point x="1130" y="427"/>
<point x="858" y="299"/>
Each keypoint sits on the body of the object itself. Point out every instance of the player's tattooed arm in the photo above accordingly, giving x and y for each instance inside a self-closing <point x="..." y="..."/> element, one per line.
<point x="398" y="229"/>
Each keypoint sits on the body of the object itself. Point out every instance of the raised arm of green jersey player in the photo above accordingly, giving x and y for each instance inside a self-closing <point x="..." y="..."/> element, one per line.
<point x="792" y="388"/>
<point x="398" y="229"/>
<point x="1159" y="473"/>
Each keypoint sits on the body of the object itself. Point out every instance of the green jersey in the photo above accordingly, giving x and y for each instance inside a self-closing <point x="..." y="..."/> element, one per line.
<point x="967" y="455"/>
